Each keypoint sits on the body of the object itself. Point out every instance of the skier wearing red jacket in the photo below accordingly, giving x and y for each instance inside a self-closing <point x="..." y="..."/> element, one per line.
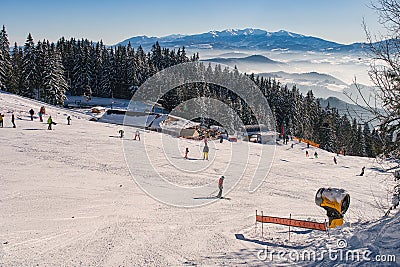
<point x="220" y="186"/>
<point x="186" y="153"/>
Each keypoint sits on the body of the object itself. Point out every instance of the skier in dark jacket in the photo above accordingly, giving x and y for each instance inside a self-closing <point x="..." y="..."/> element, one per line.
<point x="186" y="153"/>
<point x="220" y="186"/>
<point x="1" y="120"/>
<point x="69" y="120"/>
<point x="13" y="120"/>
<point x="31" y="112"/>
<point x="205" y="152"/>
<point x="121" y="133"/>
<point x="362" y="171"/>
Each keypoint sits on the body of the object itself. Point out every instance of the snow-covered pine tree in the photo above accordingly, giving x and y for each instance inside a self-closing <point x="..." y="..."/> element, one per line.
<point x="107" y="73"/>
<point x="327" y="134"/>
<point x="29" y="73"/>
<point x="40" y="54"/>
<point x="361" y="142"/>
<point x="5" y="61"/>
<point x="82" y="70"/>
<point x="96" y="59"/>
<point x="131" y="67"/>
<point x="309" y="116"/>
<point x="16" y="69"/>
<point x="368" y="141"/>
<point x="344" y="131"/>
<point x="54" y="83"/>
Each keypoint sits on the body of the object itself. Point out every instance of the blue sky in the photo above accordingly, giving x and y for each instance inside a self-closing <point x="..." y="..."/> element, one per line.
<point x="114" y="21"/>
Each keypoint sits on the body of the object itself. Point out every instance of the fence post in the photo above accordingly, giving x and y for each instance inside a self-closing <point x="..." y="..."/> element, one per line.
<point x="255" y="227"/>
<point x="327" y="229"/>
<point x="262" y="226"/>
<point x="290" y="218"/>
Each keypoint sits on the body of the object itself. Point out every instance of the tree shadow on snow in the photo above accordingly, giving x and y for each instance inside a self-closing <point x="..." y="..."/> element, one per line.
<point x="210" y="197"/>
<point x="300" y="232"/>
<point x="24" y="119"/>
<point x="186" y="159"/>
<point x="378" y="169"/>
<point x="266" y="243"/>
<point x="115" y="136"/>
<point x="126" y="139"/>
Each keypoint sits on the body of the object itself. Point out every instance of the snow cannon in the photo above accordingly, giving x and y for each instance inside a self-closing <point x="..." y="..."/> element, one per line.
<point x="336" y="202"/>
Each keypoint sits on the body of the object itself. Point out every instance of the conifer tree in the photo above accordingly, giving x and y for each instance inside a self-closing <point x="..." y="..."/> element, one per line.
<point x="54" y="82"/>
<point x="5" y="61"/>
<point x="16" y="69"/>
<point x="29" y="73"/>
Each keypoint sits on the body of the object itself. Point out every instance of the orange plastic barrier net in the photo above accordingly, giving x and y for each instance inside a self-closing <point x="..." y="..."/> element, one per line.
<point x="291" y="222"/>
<point x="308" y="142"/>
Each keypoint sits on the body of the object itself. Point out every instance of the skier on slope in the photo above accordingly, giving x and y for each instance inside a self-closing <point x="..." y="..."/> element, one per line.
<point x="362" y="171"/>
<point x="307" y="153"/>
<point x="316" y="154"/>
<point x="186" y="152"/>
<point x="121" y="133"/>
<point x="69" y="120"/>
<point x="31" y="112"/>
<point x="220" y="186"/>
<point x="40" y="114"/>
<point x="49" y="122"/>
<point x="205" y="152"/>
<point x="137" y="134"/>
<point x="13" y="120"/>
<point x="334" y="160"/>
<point x="1" y="120"/>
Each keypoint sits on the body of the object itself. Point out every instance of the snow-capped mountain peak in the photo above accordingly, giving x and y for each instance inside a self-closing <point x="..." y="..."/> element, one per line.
<point x="248" y="38"/>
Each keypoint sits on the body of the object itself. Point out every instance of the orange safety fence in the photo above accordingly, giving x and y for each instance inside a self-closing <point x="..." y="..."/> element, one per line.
<point x="291" y="222"/>
<point x="307" y="142"/>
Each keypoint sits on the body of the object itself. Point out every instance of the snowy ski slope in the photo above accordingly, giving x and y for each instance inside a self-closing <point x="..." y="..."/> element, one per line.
<point x="68" y="199"/>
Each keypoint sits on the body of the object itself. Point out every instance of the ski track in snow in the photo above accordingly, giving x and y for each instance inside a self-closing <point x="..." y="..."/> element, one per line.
<point x="67" y="199"/>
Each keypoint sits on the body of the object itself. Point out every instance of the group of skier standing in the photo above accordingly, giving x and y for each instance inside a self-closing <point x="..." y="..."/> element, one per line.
<point x="122" y="132"/>
<point x="31" y="112"/>
<point x="12" y="120"/>
<point x="206" y="150"/>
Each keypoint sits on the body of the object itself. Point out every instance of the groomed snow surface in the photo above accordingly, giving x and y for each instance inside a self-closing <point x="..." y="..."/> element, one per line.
<point x="67" y="199"/>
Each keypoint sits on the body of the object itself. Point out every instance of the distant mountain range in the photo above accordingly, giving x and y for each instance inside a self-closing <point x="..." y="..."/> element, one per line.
<point x="246" y="48"/>
<point x="246" y="39"/>
<point x="351" y="110"/>
<point x="253" y="59"/>
<point x="323" y="85"/>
